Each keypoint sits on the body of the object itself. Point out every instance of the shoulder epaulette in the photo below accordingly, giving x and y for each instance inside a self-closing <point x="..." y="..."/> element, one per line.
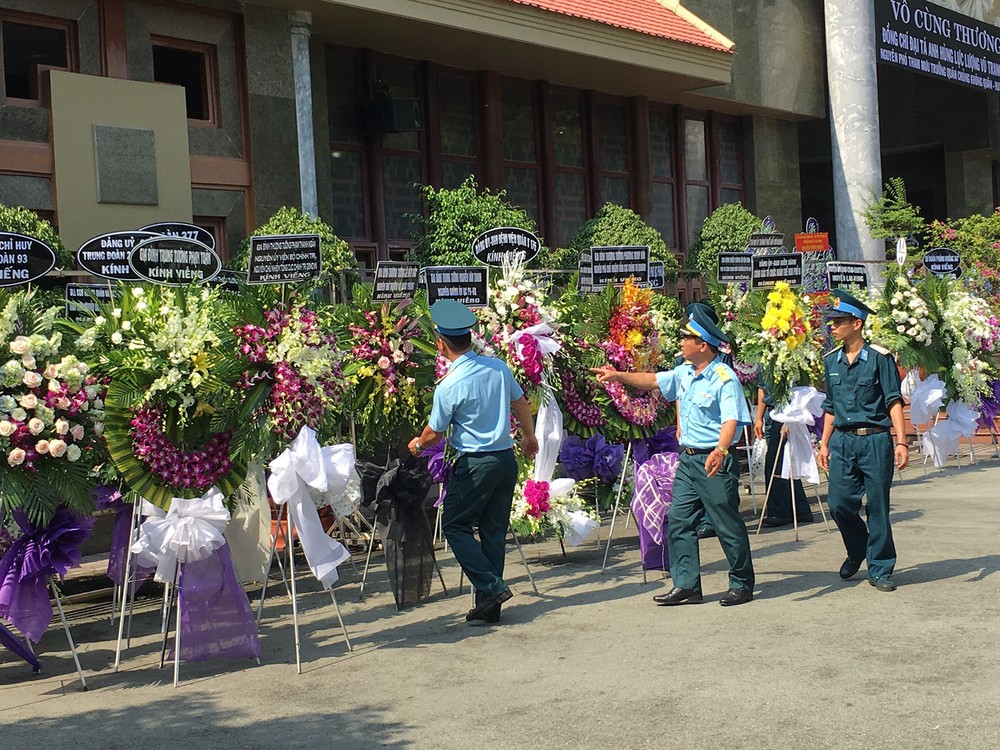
<point x="880" y="349"/>
<point x="833" y="351"/>
<point x="723" y="372"/>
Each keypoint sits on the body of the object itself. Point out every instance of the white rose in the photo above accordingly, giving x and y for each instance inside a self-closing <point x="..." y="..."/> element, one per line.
<point x="116" y="313"/>
<point x="73" y="453"/>
<point x="32" y="379"/>
<point x="7" y="428"/>
<point x="126" y="325"/>
<point x="141" y="306"/>
<point x="62" y="426"/>
<point x="54" y="386"/>
<point x="98" y="430"/>
<point x="57" y="448"/>
<point x="100" y="320"/>
<point x="50" y="372"/>
<point x="16" y="457"/>
<point x="28" y="362"/>
<point x="21" y="345"/>
<point x="137" y="291"/>
<point x="35" y="425"/>
<point x="28" y="400"/>
<point x="116" y="337"/>
<point x="77" y="431"/>
<point x="42" y="447"/>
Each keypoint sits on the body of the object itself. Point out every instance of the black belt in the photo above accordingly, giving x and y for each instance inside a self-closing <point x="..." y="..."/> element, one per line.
<point x="863" y="431"/>
<point x="698" y="451"/>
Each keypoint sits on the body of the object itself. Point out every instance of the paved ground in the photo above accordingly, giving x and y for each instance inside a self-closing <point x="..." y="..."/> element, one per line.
<point x="813" y="662"/>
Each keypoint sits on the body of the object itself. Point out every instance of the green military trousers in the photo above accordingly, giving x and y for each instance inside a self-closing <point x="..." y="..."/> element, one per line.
<point x="863" y="465"/>
<point x="719" y="496"/>
<point x="480" y="493"/>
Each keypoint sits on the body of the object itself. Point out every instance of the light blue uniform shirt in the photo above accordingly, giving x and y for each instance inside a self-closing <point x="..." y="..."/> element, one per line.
<point x="474" y="399"/>
<point x="705" y="401"/>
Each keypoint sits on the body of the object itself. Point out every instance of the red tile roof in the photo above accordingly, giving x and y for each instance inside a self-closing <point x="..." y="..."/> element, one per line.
<point x="643" y="16"/>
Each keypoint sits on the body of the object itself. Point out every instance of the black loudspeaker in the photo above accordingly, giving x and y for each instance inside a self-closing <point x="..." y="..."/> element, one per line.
<point x="389" y="115"/>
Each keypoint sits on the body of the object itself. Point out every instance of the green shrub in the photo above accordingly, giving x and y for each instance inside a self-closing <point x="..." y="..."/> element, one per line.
<point x="726" y="230"/>
<point x="615" y="225"/>
<point x="890" y="215"/>
<point x="456" y="217"/>
<point x="24" y="221"/>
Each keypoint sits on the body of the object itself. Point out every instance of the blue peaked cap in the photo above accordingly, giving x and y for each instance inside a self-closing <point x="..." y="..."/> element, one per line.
<point x="844" y="303"/>
<point x="452" y="318"/>
<point x="700" y="324"/>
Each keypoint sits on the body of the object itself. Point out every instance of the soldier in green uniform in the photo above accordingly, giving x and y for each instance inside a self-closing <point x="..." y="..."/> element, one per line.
<point x="863" y="401"/>
<point x="712" y="408"/>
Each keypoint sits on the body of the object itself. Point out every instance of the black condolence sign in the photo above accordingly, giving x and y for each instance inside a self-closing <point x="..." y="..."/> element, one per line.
<point x="23" y="259"/>
<point x="943" y="262"/>
<point x="734" y="268"/>
<point x="394" y="280"/>
<point x="841" y="274"/>
<point x="768" y="270"/>
<point x="82" y="300"/>
<point x="107" y="254"/>
<point x="174" y="261"/>
<point x="495" y="246"/>
<point x="284" y="258"/>
<point x="467" y="284"/>
<point x="615" y="265"/>
<point x="182" y="229"/>
<point x="926" y="38"/>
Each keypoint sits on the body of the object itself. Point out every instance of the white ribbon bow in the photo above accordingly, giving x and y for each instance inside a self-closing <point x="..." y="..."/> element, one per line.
<point x="549" y="432"/>
<point x="925" y="399"/>
<point x="541" y="333"/>
<point x="941" y="440"/>
<point x="304" y="465"/>
<point x="190" y="531"/>
<point x="805" y="405"/>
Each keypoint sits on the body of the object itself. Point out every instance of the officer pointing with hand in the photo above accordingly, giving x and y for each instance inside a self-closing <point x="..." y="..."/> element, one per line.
<point x="712" y="409"/>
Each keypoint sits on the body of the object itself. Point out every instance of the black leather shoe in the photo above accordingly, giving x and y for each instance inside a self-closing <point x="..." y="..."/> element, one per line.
<point x="490" y="618"/>
<point x="736" y="596"/>
<point x="481" y="610"/>
<point x="775" y="522"/>
<point x="883" y="584"/>
<point x="678" y="596"/>
<point x="705" y="532"/>
<point x="849" y="568"/>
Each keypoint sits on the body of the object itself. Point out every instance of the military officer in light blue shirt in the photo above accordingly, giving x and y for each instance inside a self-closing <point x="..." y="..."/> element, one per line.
<point x="712" y="410"/>
<point x="473" y="404"/>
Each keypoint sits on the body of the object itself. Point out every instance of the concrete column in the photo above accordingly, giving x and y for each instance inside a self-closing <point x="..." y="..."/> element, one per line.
<point x="857" y="171"/>
<point x="300" y="22"/>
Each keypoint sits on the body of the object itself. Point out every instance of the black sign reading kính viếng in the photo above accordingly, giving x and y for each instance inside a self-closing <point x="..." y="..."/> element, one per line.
<point x="616" y="265"/>
<point x="182" y="229"/>
<point x="466" y="284"/>
<point x="734" y="268"/>
<point x="284" y="258"/>
<point x="82" y="300"/>
<point x="23" y="259"/>
<point x="394" y="280"/>
<point x="943" y="262"/>
<point x="494" y="247"/>
<point x="840" y="274"/>
<point x="926" y="38"/>
<point x="228" y="280"/>
<point x="174" y="261"/>
<point x="768" y="270"/>
<point x="106" y="255"/>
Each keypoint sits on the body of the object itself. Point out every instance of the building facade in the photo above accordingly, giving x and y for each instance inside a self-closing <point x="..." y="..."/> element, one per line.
<point x="118" y="113"/>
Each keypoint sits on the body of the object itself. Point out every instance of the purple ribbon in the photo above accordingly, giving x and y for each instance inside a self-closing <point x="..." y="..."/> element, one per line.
<point x="989" y="407"/>
<point x="439" y="468"/>
<point x="109" y="497"/>
<point x="15" y="644"/>
<point x="654" y="484"/>
<point x="216" y="620"/>
<point x="29" y="564"/>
